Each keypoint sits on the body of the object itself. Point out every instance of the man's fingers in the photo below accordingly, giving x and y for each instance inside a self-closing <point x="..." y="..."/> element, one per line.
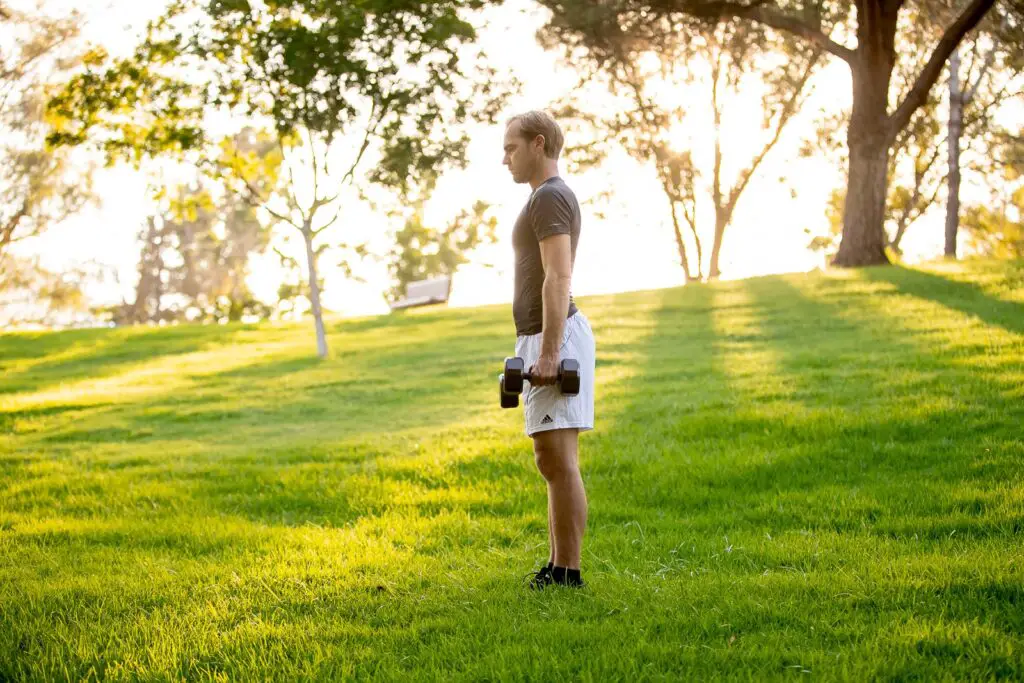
<point x="539" y="380"/>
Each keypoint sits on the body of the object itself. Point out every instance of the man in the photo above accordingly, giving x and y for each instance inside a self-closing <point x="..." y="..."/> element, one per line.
<point x="549" y="327"/>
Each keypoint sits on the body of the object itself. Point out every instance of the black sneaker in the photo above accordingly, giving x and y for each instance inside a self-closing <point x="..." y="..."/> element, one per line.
<point x="560" y="576"/>
<point x="541" y="578"/>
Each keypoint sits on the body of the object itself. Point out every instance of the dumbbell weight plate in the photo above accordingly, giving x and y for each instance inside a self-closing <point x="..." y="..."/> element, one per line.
<point x="507" y="400"/>
<point x="515" y="368"/>
<point x="570" y="371"/>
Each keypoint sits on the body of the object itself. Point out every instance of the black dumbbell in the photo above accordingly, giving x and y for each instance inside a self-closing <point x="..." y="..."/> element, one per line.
<point x="508" y="400"/>
<point x="511" y="381"/>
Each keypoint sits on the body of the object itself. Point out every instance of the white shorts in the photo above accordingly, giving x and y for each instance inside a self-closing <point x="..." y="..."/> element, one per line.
<point x="546" y="408"/>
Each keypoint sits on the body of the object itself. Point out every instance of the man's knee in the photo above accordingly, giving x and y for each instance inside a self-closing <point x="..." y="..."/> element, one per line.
<point x="555" y="454"/>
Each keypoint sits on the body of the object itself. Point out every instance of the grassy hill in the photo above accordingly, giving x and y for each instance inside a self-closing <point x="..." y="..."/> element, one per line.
<point x="818" y="474"/>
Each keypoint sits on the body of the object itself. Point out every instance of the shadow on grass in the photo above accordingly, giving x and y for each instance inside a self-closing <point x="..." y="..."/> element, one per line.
<point x="424" y="380"/>
<point x="403" y="320"/>
<point x="52" y="359"/>
<point x="867" y="429"/>
<point x="965" y="297"/>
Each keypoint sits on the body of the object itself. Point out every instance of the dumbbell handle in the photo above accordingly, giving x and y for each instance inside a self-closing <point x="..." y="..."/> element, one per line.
<point x="529" y="377"/>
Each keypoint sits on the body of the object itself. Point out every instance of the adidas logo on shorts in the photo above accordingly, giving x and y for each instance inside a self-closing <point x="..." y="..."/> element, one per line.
<point x="547" y="420"/>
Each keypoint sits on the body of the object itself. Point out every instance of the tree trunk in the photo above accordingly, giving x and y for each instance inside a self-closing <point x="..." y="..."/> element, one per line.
<point x="863" y="241"/>
<point x="721" y="221"/>
<point x="956" y="124"/>
<point x="680" y="244"/>
<point x="314" y="293"/>
<point x="716" y="180"/>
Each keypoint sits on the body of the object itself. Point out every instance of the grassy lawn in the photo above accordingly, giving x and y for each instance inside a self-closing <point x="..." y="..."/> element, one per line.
<point x="815" y="476"/>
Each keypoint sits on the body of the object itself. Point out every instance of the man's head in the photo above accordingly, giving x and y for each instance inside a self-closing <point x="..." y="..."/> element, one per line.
<point x="531" y="140"/>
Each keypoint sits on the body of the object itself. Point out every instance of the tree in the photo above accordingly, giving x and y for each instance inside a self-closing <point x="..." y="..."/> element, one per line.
<point x="211" y="243"/>
<point x="33" y="294"/>
<point x="149" y="304"/>
<point x="914" y="175"/>
<point x="39" y="187"/>
<point x="639" y="73"/>
<point x="373" y="76"/>
<point x="930" y="154"/>
<point x="422" y="252"/>
<point x="992" y="70"/>
<point x="294" y="286"/>
<point x="193" y="260"/>
<point x="996" y="228"/>
<point x="997" y="234"/>
<point x="874" y="125"/>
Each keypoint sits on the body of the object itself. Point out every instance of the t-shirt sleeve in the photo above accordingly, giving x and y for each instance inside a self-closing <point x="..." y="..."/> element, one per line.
<point x="550" y="214"/>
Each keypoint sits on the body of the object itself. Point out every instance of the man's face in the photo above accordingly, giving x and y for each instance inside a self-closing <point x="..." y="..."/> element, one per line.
<point x="521" y="155"/>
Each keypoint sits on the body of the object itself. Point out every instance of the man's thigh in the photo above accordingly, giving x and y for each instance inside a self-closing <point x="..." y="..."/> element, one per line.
<point x="560" y="444"/>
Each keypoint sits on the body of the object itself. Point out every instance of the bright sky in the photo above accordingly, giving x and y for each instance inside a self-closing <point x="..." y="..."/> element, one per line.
<point x="633" y="248"/>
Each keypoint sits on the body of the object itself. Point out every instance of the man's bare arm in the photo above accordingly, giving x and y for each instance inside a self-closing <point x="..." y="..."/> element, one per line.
<point x="556" y="259"/>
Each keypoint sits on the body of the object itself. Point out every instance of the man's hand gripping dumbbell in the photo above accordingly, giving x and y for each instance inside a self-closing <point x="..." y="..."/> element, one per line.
<point x="510" y="382"/>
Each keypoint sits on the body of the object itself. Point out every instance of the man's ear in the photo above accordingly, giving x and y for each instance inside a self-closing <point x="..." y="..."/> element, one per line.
<point x="543" y="142"/>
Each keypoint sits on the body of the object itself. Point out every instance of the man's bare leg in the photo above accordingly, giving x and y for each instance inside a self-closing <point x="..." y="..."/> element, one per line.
<point x="556" y="453"/>
<point x="551" y="533"/>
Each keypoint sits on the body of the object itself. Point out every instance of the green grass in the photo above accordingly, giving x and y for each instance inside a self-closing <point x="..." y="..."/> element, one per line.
<point x="792" y="477"/>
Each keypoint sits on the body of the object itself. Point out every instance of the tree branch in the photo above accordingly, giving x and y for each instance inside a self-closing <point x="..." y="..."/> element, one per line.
<point x="967" y="20"/>
<point x="982" y="117"/>
<point x="319" y="203"/>
<point x="327" y="152"/>
<point x="765" y="15"/>
<point x="20" y="70"/>
<point x="692" y="219"/>
<point x="316" y="168"/>
<point x="254" y="200"/>
<point x="327" y="224"/>
<point x="680" y="244"/>
<point x="291" y="180"/>
<point x="912" y="204"/>
<point x="371" y="128"/>
<point x="716" y="109"/>
<point x="787" y="112"/>
<point x="969" y="94"/>
<point x="7" y="231"/>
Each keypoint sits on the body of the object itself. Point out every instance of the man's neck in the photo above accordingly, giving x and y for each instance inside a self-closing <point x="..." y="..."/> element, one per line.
<point x="548" y="171"/>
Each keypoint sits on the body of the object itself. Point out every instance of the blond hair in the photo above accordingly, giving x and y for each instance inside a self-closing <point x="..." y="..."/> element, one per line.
<point x="534" y="123"/>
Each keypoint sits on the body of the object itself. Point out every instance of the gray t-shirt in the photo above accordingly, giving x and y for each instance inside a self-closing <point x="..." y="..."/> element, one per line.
<point x="551" y="210"/>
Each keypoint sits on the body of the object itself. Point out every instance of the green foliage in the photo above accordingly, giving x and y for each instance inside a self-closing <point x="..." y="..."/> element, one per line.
<point x="194" y="260"/>
<point x="422" y="252"/>
<point x="39" y="187"/>
<point x="31" y="294"/>
<point x="391" y="79"/>
<point x="828" y="243"/>
<point x="388" y="71"/>
<point x="253" y="159"/>
<point x="997" y="232"/>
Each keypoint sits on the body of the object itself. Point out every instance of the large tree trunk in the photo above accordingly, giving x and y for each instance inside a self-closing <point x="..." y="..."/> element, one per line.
<point x="314" y="293"/>
<point x="956" y="124"/>
<point x="863" y="241"/>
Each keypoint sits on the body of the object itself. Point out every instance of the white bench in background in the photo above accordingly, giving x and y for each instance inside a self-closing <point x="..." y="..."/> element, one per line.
<point x="424" y="293"/>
